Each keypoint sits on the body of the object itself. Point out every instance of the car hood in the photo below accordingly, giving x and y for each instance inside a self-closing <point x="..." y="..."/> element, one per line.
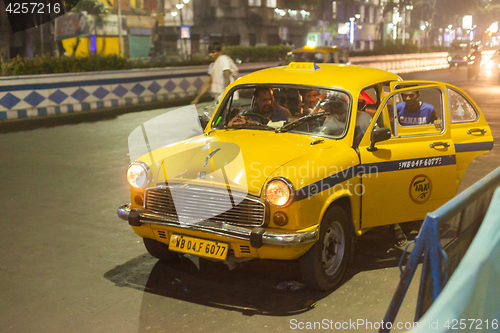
<point x="241" y="159"/>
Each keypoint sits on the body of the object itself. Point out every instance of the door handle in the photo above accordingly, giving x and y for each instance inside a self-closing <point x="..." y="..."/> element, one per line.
<point x="438" y="144"/>
<point x="474" y="130"/>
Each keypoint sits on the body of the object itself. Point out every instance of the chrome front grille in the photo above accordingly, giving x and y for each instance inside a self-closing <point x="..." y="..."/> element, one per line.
<point x="185" y="203"/>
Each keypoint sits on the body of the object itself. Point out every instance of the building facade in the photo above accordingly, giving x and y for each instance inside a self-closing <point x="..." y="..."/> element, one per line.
<point x="181" y="29"/>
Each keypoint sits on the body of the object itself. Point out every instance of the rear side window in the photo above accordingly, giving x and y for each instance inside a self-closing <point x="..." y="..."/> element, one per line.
<point x="461" y="109"/>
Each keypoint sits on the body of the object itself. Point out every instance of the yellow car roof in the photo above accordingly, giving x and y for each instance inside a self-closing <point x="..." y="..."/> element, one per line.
<point x="323" y="49"/>
<point x="351" y="78"/>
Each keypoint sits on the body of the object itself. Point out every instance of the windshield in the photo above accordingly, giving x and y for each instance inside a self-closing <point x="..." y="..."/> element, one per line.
<point x="322" y="112"/>
<point x="460" y="48"/>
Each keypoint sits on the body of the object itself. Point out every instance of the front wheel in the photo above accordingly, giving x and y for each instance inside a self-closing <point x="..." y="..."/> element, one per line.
<point x="323" y="266"/>
<point x="160" y="250"/>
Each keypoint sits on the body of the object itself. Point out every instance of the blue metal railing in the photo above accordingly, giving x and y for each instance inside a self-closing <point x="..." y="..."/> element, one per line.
<point x="443" y="231"/>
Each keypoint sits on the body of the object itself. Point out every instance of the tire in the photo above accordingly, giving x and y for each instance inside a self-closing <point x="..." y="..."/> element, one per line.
<point x="323" y="266"/>
<point x="160" y="250"/>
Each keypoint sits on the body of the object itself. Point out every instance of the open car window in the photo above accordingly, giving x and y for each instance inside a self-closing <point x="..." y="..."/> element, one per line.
<point x="308" y="110"/>
<point x="418" y="111"/>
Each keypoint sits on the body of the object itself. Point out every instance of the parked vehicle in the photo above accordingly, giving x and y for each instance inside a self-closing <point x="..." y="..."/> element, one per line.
<point x="262" y="183"/>
<point x="320" y="54"/>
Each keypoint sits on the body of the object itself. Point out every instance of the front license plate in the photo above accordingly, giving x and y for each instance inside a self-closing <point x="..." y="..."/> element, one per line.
<point x="197" y="246"/>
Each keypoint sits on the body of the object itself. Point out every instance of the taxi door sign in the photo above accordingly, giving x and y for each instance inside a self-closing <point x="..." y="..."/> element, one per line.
<point x="302" y="66"/>
<point x="420" y="189"/>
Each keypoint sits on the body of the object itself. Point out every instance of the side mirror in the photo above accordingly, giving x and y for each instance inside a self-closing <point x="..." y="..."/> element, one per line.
<point x="379" y="134"/>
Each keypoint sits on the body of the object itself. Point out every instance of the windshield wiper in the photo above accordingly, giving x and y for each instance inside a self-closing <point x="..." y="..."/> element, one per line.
<point x="248" y="126"/>
<point x="302" y="120"/>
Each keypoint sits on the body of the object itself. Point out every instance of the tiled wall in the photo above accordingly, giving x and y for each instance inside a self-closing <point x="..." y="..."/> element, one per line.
<point x="42" y="95"/>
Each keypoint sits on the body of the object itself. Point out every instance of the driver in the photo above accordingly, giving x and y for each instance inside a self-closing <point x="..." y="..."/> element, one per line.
<point x="265" y="109"/>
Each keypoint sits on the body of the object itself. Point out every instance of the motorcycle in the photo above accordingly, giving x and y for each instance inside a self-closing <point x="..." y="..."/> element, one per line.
<point x="473" y="65"/>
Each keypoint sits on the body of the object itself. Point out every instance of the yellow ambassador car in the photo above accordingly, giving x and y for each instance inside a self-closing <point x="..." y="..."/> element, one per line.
<point x="318" y="54"/>
<point x="263" y="182"/>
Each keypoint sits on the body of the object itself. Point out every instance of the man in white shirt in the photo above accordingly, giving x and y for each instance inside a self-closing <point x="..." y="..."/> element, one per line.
<point x="221" y="72"/>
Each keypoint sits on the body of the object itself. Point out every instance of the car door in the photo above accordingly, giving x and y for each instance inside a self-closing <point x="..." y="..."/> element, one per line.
<point x="469" y="130"/>
<point x="414" y="170"/>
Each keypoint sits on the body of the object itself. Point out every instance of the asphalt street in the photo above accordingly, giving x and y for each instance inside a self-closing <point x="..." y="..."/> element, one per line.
<point x="68" y="264"/>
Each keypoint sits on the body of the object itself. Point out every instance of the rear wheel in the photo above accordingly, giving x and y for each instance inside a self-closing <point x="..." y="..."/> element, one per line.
<point x="160" y="250"/>
<point x="323" y="266"/>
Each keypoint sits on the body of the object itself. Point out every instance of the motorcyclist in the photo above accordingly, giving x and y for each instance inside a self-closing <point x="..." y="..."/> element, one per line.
<point x="474" y="61"/>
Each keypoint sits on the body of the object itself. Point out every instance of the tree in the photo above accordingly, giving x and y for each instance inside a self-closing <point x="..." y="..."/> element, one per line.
<point x="489" y="13"/>
<point x="428" y="10"/>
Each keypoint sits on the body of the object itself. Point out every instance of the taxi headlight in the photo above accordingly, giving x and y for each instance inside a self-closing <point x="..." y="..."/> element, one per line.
<point x="279" y="192"/>
<point x="138" y="174"/>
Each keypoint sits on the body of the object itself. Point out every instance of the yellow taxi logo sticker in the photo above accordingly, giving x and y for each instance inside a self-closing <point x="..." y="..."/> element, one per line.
<point x="302" y="66"/>
<point x="420" y="189"/>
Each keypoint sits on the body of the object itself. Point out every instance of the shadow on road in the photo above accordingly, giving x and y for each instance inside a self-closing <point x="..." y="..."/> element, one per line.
<point x="250" y="287"/>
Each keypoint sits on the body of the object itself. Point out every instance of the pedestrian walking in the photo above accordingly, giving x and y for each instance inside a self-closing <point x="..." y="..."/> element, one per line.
<point x="221" y="72"/>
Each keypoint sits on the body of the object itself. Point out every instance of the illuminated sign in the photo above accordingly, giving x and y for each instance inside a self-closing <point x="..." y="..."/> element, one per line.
<point x="467" y="22"/>
<point x="185" y="32"/>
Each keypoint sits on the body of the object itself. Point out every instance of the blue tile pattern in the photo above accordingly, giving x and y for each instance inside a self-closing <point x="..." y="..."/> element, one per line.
<point x="76" y="92"/>
<point x="34" y="98"/>
<point x="58" y="96"/>
<point x="100" y="93"/>
<point x="154" y="87"/>
<point x="120" y="91"/>
<point x="184" y="84"/>
<point x="138" y="89"/>
<point x="170" y="86"/>
<point x="9" y="101"/>
<point x="198" y="83"/>
<point x="80" y="94"/>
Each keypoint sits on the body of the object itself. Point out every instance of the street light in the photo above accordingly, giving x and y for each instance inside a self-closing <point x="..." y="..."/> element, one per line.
<point x="352" y="28"/>
<point x="120" y="32"/>
<point x="183" y="45"/>
<point x="406" y="9"/>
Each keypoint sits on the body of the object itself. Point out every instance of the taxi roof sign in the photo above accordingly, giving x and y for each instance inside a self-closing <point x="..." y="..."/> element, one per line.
<point x="302" y="66"/>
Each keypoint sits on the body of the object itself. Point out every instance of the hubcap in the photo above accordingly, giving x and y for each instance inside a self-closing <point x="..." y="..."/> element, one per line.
<point x="333" y="248"/>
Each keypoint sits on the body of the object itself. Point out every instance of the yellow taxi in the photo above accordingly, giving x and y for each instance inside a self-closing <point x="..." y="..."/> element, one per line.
<point x="318" y="54"/>
<point x="291" y="166"/>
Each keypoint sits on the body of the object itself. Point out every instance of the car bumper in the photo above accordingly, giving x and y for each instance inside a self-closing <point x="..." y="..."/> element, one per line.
<point x="256" y="236"/>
